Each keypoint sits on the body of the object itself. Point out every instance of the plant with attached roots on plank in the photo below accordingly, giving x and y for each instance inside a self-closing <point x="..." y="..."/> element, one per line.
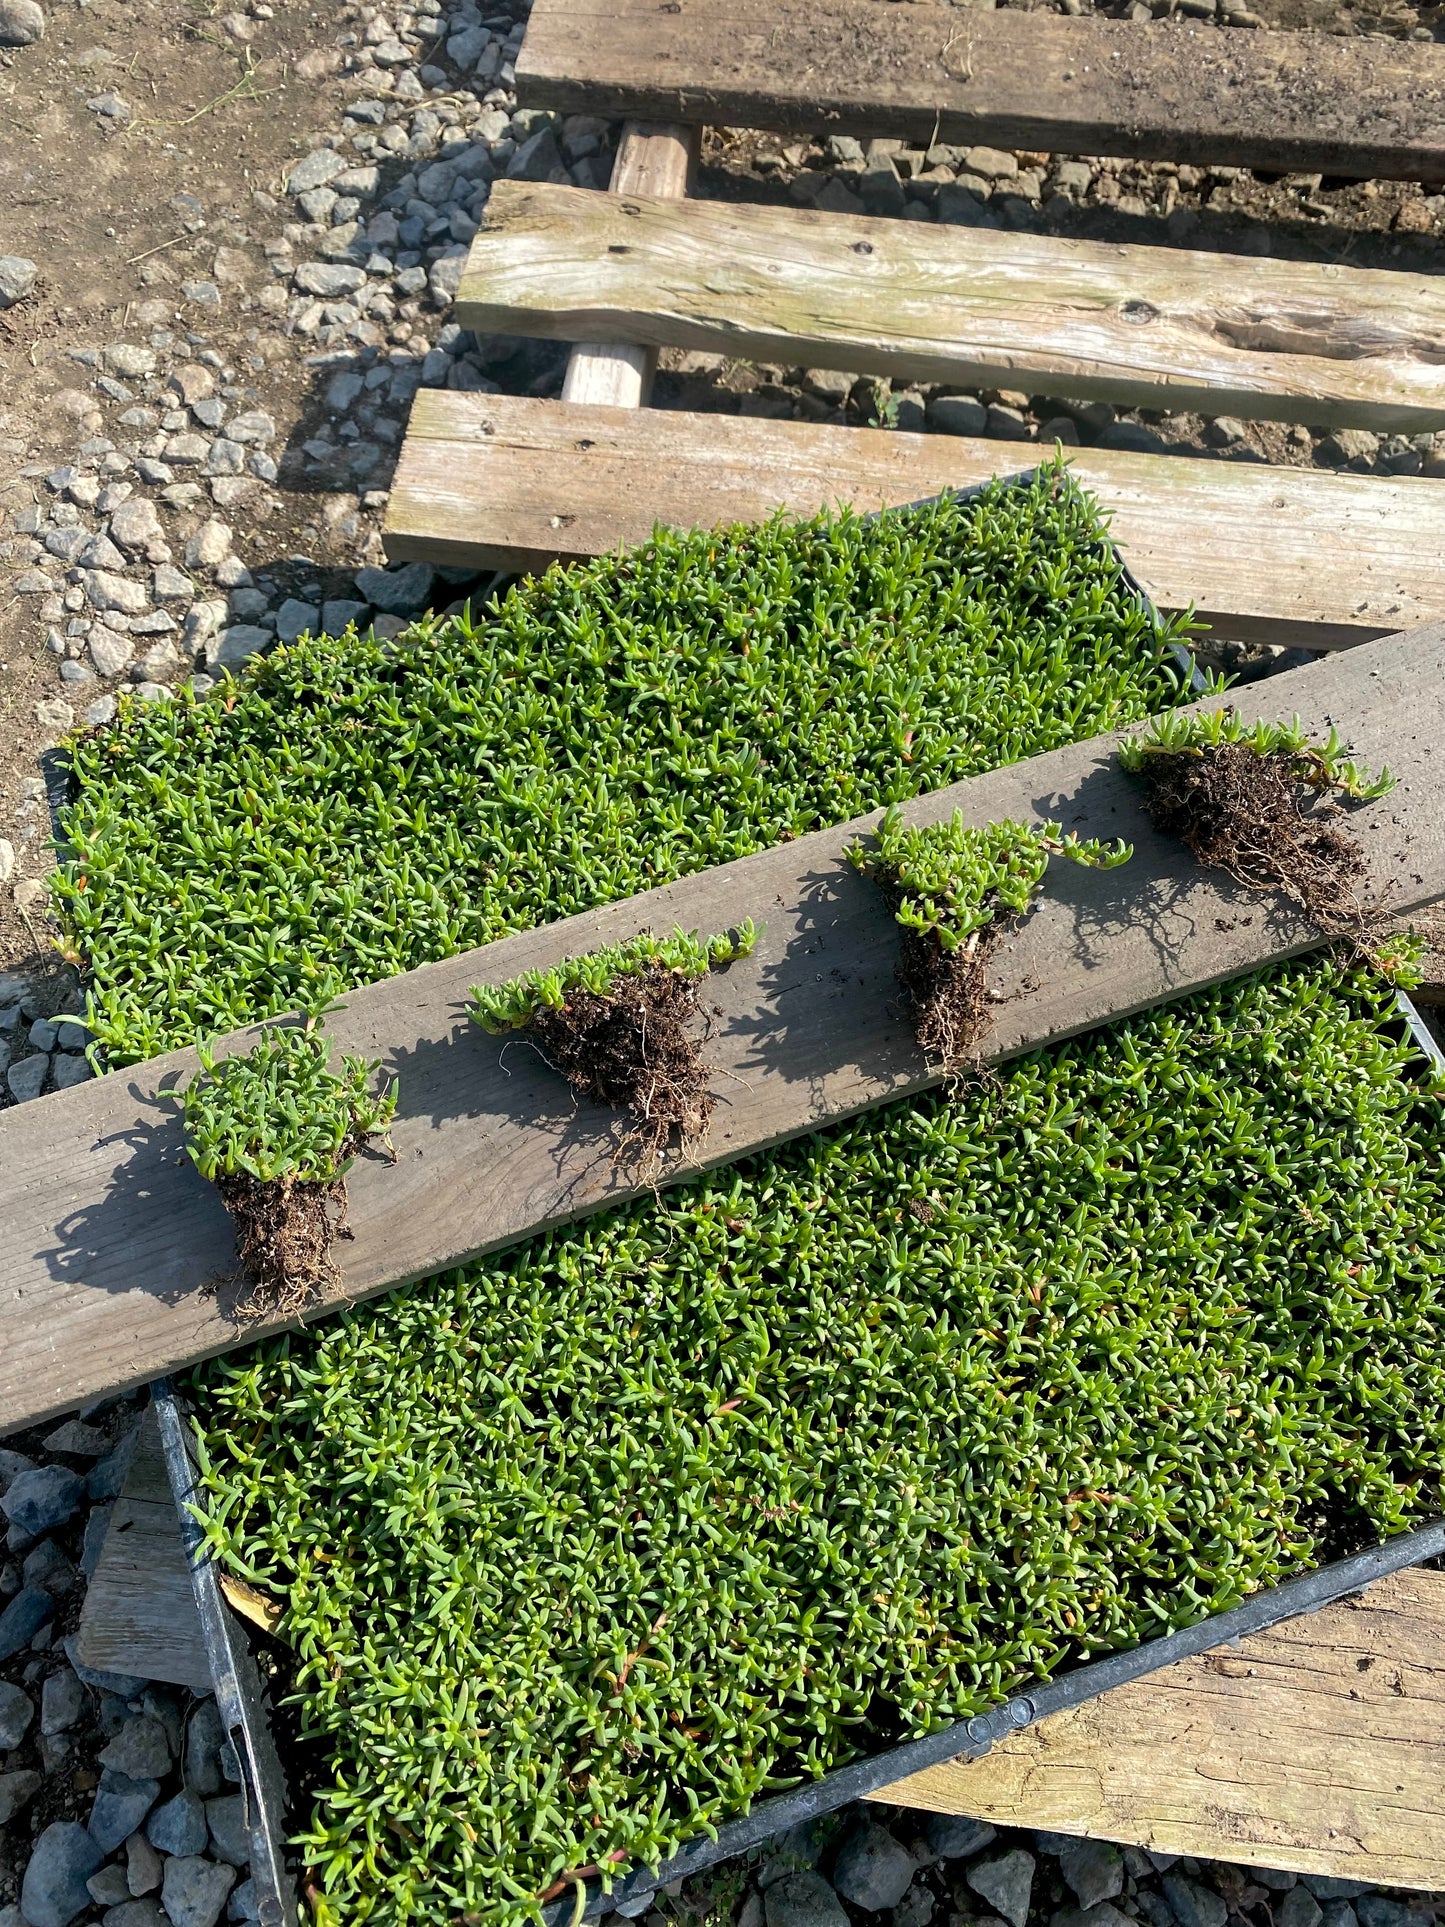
<point x="1250" y="799"/>
<point x="616" y="1024"/>
<point x="275" y="1130"/>
<point x="954" y="887"/>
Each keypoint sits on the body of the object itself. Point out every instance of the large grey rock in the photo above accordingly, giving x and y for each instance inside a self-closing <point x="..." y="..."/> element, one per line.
<point x="194" y="1891"/>
<point x="140" y="1750"/>
<point x="135" y="524"/>
<point x="1378" y="1910"/>
<point x="108" y="591"/>
<point x="803" y="1900"/>
<point x="953" y="1836"/>
<point x="47" y="1567"/>
<point x="1095" y="1871"/>
<point x="1104" y="1914"/>
<point x="17" y="275"/>
<point x="12" y="1464"/>
<point x="321" y="165"/>
<point x="329" y="279"/>
<point x="26" y="1080"/>
<point x="120" y="1805"/>
<point x="38" y="1502"/>
<point x="296" y="618"/>
<point x="28" y="1611"/>
<point x="136" y="1913"/>
<point x="245" y="1904"/>
<point x="1299" y="1908"/>
<point x="236" y="645"/>
<point x="143" y="1865"/>
<point x="17" y="1790"/>
<point x="53" y="1891"/>
<point x="1328" y="1886"/>
<point x="226" y="1818"/>
<point x="204" y="1737"/>
<point x="180" y="1825"/>
<point x="1338" y="1913"/>
<point x="1005" y="1884"/>
<point x="75" y="1437"/>
<point x="916" y="1909"/>
<point x="16" y="1713"/>
<point x="62" y="1701"/>
<point x="1194" y="1905"/>
<point x="109" y="1887"/>
<point x="397" y="592"/>
<point x="872" y="1869"/>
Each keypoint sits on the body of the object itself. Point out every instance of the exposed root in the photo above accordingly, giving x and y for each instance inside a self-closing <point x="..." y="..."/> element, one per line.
<point x="1258" y="818"/>
<point x="948" y="991"/>
<point x="632" y="1049"/>
<point x="285" y="1229"/>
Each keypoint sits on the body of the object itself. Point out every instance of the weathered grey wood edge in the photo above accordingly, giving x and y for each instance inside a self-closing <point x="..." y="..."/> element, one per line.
<point x="1297" y="100"/>
<point x="108" y="1237"/>
<point x="1277" y="555"/>
<point x="1142" y="326"/>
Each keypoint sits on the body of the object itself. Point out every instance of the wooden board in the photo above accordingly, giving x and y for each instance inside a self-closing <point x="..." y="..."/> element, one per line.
<point x="1145" y="327"/>
<point x="1281" y="555"/>
<point x="1177" y="91"/>
<point x="140" y="1614"/>
<point x="1318" y="1746"/>
<point x="109" y="1238"/>
<point x="650" y="160"/>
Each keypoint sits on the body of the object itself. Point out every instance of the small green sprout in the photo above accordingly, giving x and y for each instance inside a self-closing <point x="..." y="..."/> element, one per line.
<point x="280" y="1111"/>
<point x="951" y="879"/>
<point x="1321" y="765"/>
<point x="513" y="1005"/>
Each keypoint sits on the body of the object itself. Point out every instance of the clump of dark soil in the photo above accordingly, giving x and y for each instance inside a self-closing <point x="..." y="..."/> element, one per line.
<point x="948" y="990"/>
<point x="285" y="1229"/>
<point x="632" y="1049"/>
<point x="1262" y="819"/>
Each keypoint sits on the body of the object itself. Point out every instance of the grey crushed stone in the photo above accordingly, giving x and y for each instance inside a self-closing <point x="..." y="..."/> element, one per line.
<point x="22" y="1619"/>
<point x="1005" y="1883"/>
<point x="1194" y="1905"/>
<point x="41" y="1500"/>
<point x="179" y="1826"/>
<point x="1095" y="1871"/>
<point x="53" y="1891"/>
<point x="193" y="1891"/>
<point x="872" y="1869"/>
<point x="119" y="1807"/>
<point x="1299" y="1908"/>
<point x="17" y="1710"/>
<point x="143" y="1865"/>
<point x="226" y="1819"/>
<point x="22" y="23"/>
<point x="17" y="1790"/>
<point x="140" y="1749"/>
<point x="62" y="1701"/>
<point x="803" y="1900"/>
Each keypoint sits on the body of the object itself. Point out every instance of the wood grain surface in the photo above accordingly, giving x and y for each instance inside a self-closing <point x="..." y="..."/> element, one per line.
<point x="114" y="1251"/>
<point x="1144" y="327"/>
<point x="656" y="160"/>
<point x="1176" y="91"/>
<point x="1318" y="1746"/>
<point x="139" y="1615"/>
<point x="1281" y="555"/>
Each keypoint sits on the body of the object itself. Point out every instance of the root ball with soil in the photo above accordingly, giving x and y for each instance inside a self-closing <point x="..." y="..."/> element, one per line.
<point x="1252" y="801"/>
<point x="276" y="1132"/>
<point x="618" y="1025"/>
<point x="956" y="890"/>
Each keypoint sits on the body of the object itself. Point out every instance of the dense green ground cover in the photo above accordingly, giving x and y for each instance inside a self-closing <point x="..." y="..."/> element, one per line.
<point x="584" y="1547"/>
<point x="363" y="809"/>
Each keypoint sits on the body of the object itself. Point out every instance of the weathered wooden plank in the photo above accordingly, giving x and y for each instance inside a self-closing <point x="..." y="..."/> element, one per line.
<point x="650" y="160"/>
<point x="1146" y="327"/>
<point x="1318" y="1746"/>
<point x="109" y="1238"/>
<point x="140" y="1615"/>
<point x="1281" y="555"/>
<point x="1178" y="91"/>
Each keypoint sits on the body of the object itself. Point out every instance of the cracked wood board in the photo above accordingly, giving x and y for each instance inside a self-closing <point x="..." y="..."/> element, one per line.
<point x="1318" y="1746"/>
<point x="114" y="1252"/>
<point x="1294" y="101"/>
<point x="1294" y="556"/>
<point x="1144" y="327"/>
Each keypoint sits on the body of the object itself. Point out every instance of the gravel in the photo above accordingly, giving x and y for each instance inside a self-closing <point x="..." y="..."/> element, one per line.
<point x="1005" y="1884"/>
<point x="194" y="1891"/>
<point x="54" y="1890"/>
<point x="39" y="1500"/>
<point x="179" y="1826"/>
<point x="17" y="1710"/>
<point x="872" y="1869"/>
<point x="17" y="275"/>
<point x="803" y="1900"/>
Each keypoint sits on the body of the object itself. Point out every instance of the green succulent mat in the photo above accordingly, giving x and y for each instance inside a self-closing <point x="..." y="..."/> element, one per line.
<point x="584" y="1548"/>
<point x="355" y="808"/>
<point x="588" y="1546"/>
